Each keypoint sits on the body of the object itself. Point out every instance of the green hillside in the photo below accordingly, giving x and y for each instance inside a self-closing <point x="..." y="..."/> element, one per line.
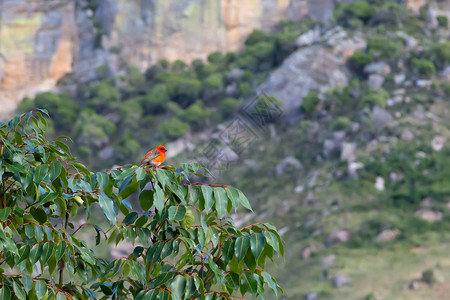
<point x="357" y="177"/>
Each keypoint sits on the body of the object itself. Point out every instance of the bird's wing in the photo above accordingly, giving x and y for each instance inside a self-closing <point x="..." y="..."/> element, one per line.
<point x="150" y="156"/>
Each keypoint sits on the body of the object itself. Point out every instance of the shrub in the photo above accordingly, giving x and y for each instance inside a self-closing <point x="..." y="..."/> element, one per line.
<point x="104" y="96"/>
<point x="442" y="54"/>
<point x="361" y="10"/>
<point x="27" y="104"/>
<point x="173" y="128"/>
<point x="216" y="58"/>
<point x="196" y="115"/>
<point x="341" y="123"/>
<point x="359" y="60"/>
<point x="207" y="70"/>
<point x="131" y="113"/>
<point x="179" y="66"/>
<point x="263" y="52"/>
<point x="156" y="100"/>
<point x="93" y="130"/>
<point x="213" y="82"/>
<point x="424" y="66"/>
<point x="61" y="108"/>
<point x="310" y="102"/>
<point x="375" y="97"/>
<point x="135" y="81"/>
<point x="228" y="106"/>
<point x="181" y="88"/>
<point x="383" y="46"/>
<point x="442" y="21"/>
<point x="256" y="37"/>
<point x="247" y="62"/>
<point x="428" y="277"/>
<point x="244" y="88"/>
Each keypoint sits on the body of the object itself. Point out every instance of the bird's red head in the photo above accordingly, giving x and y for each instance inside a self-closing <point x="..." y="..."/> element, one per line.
<point x="161" y="148"/>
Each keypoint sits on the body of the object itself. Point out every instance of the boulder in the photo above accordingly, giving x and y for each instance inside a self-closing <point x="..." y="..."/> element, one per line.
<point x="312" y="296"/>
<point x="348" y="151"/>
<point x="106" y="153"/>
<point x="375" y="81"/>
<point x="407" y="135"/>
<point x="399" y="78"/>
<point x="437" y="143"/>
<point x="387" y="235"/>
<point x="429" y="214"/>
<point x="422" y="83"/>
<point x="327" y="261"/>
<point x="287" y="164"/>
<point x="353" y="167"/>
<point x="380" y="117"/>
<point x="338" y="236"/>
<point x="379" y="184"/>
<point x="235" y="74"/>
<point x="340" y="280"/>
<point x="308" y="38"/>
<point x="380" y="68"/>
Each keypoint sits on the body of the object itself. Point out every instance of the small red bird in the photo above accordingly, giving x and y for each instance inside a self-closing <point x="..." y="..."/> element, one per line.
<point x="155" y="157"/>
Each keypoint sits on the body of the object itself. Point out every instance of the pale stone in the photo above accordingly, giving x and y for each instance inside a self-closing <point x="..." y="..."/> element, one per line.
<point x="437" y="143"/>
<point x="379" y="183"/>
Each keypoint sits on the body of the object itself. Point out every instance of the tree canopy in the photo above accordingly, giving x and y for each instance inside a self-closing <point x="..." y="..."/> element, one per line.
<point x="186" y="245"/>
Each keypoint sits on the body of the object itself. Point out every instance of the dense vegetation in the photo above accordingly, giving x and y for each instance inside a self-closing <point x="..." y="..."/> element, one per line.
<point x="396" y="181"/>
<point x="133" y="111"/>
<point x="185" y="245"/>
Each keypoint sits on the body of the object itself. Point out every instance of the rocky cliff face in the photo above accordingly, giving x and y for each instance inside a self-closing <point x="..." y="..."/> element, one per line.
<point x="42" y="40"/>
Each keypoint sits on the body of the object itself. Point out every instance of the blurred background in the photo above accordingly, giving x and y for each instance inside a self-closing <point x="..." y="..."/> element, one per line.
<point x="331" y="115"/>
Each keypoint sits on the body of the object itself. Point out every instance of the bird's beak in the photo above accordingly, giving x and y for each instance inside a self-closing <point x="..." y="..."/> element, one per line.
<point x="165" y="150"/>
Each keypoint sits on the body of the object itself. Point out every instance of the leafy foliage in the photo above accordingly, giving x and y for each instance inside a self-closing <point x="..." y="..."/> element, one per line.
<point x="186" y="245"/>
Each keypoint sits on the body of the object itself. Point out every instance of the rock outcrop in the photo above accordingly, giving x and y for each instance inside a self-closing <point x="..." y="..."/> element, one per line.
<point x="43" y="40"/>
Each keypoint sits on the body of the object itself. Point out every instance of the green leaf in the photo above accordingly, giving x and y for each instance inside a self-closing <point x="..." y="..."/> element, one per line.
<point x="227" y="251"/>
<point x="178" y="286"/>
<point x="151" y="294"/>
<point x="176" y="213"/>
<point x="159" y="199"/>
<point x="60" y="249"/>
<point x="103" y="180"/>
<point x="20" y="293"/>
<point x="272" y="240"/>
<point x="244" y="201"/>
<point x="248" y="283"/>
<point x="27" y="283"/>
<point x="61" y="296"/>
<point x="82" y="168"/>
<point x="193" y="194"/>
<point x="257" y="241"/>
<point x="233" y="195"/>
<point x="221" y="201"/>
<point x="54" y="170"/>
<point x="107" y="205"/>
<point x="241" y="246"/>
<point x="23" y="253"/>
<point x="39" y="173"/>
<point x="5" y="293"/>
<point x="140" y="174"/>
<point x="4" y="213"/>
<point x="129" y="219"/>
<point x="232" y="281"/>
<point x="41" y="289"/>
<point x="47" y="251"/>
<point x="146" y="199"/>
<point x="207" y="195"/>
<point x="35" y="253"/>
<point x="270" y="281"/>
<point x="39" y="214"/>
